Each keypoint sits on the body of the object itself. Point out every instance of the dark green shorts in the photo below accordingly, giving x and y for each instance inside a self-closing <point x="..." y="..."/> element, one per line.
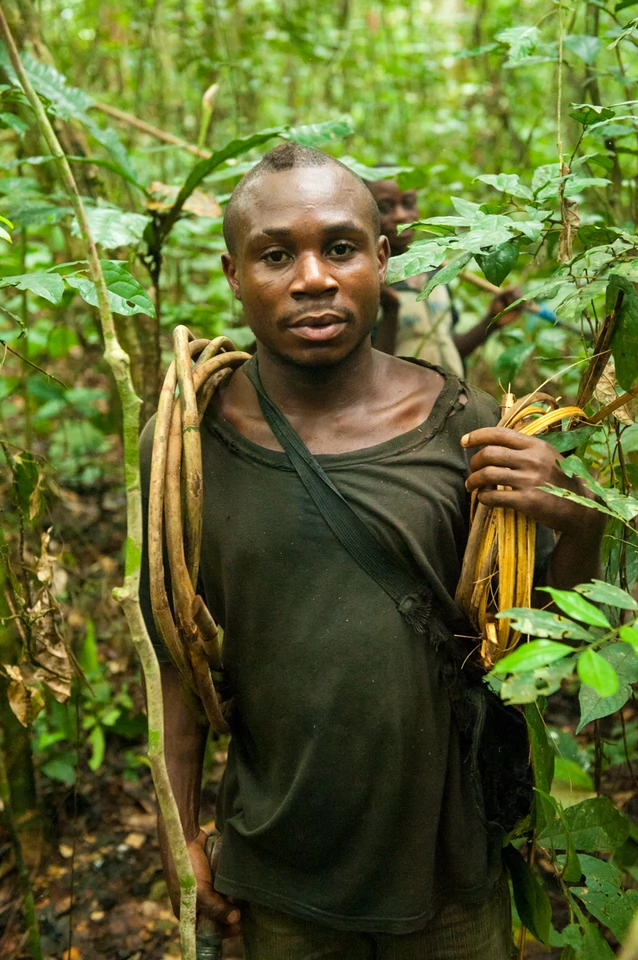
<point x="471" y="931"/>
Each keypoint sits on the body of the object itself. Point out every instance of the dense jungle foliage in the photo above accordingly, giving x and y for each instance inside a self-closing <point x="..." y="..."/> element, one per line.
<point x="517" y="124"/>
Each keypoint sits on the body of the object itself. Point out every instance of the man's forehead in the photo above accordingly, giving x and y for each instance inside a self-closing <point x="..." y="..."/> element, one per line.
<point x="326" y="194"/>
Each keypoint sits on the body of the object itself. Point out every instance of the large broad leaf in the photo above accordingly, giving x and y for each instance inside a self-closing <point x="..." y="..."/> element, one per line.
<point x="594" y="825"/>
<point x="521" y="41"/>
<point x="373" y="174"/>
<point x="542" y="623"/>
<point x="575" y="606"/>
<point x="70" y="103"/>
<point x="532" y="902"/>
<point x="598" y="673"/>
<point x="422" y="257"/>
<point x="602" y="592"/>
<point x="507" y="183"/>
<point x="542" y="750"/>
<point x="315" y="134"/>
<point x="565" y="440"/>
<point x="497" y="262"/>
<point x="624" y="344"/>
<point x="584" y="46"/>
<point x="603" y="896"/>
<point x="47" y="285"/>
<point x="112" y="227"/>
<point x="530" y="656"/>
<point x="126" y="296"/>
<point x="572" y="772"/>
<point x="588" y="113"/>
<point x="624" y="662"/>
<point x="445" y="274"/>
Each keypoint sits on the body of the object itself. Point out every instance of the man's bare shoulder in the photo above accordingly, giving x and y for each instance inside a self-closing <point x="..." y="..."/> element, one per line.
<point x="405" y="377"/>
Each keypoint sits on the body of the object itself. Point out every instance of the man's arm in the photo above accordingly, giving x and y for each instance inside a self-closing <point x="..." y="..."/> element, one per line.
<point x="523" y="464"/>
<point x="466" y="343"/>
<point x="185" y="742"/>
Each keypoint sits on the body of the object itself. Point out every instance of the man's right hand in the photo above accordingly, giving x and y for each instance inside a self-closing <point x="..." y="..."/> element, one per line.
<point x="210" y="903"/>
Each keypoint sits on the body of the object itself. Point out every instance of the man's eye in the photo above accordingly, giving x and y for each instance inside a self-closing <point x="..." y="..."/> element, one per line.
<point x="385" y="206"/>
<point x="276" y="256"/>
<point x="341" y="249"/>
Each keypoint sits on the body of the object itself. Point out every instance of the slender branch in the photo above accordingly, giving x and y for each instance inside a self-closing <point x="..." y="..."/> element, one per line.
<point x="32" y="364"/>
<point x="151" y="130"/>
<point x="128" y="595"/>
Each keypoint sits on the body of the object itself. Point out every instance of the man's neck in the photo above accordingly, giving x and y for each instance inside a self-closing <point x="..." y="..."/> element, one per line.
<point x="304" y="390"/>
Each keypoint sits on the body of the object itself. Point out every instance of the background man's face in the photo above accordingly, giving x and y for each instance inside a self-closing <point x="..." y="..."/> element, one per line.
<point x="308" y="267"/>
<point x="396" y="207"/>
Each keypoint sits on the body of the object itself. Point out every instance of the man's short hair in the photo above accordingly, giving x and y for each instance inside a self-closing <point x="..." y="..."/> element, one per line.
<point x="285" y="156"/>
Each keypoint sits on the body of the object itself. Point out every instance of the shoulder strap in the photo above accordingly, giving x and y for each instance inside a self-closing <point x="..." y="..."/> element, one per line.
<point x="412" y="597"/>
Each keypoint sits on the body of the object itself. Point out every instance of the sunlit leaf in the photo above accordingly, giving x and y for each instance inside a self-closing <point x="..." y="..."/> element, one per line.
<point x="602" y="592"/>
<point x="576" y="607"/>
<point x="598" y="673"/>
<point x="49" y="286"/>
<point x="529" y="656"/>
<point x="593" y="705"/>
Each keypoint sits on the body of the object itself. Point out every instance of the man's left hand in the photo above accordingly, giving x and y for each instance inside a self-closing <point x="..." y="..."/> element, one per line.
<point x="523" y="464"/>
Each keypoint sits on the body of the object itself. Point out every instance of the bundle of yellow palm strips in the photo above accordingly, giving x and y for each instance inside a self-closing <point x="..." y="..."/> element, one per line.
<point x="498" y="566"/>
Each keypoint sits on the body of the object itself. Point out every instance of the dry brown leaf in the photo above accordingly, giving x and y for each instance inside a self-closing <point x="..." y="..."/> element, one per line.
<point x="200" y="203"/>
<point x="606" y="393"/>
<point x="135" y="840"/>
<point x="25" y="701"/>
<point x="72" y="954"/>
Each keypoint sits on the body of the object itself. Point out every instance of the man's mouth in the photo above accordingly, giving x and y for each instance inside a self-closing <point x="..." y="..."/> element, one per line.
<point x="323" y="326"/>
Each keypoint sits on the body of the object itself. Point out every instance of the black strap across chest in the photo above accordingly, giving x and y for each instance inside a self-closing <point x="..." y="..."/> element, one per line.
<point x="412" y="597"/>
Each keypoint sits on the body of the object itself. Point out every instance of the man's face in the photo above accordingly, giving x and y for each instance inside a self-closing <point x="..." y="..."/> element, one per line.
<point x="395" y="207"/>
<point x="308" y="267"/>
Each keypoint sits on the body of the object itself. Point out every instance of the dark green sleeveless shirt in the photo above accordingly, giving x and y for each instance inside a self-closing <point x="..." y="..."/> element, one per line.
<point x="347" y="797"/>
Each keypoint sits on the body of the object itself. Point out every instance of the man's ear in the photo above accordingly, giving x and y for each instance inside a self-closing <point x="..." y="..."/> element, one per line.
<point x="229" y="266"/>
<point x="383" y="255"/>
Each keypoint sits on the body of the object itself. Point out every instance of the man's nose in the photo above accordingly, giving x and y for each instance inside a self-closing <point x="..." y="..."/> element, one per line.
<point x="313" y="275"/>
<point x="402" y="214"/>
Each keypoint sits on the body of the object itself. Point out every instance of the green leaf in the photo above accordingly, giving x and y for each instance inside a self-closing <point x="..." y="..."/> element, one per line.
<point x="531" y="899"/>
<point x="630" y="635"/>
<point x="543" y="757"/>
<point x="61" y="770"/>
<point x="507" y="183"/>
<point x="529" y="656"/>
<point x="598" y="673"/>
<point x="594" y="825"/>
<point x="575" y="184"/>
<point x="126" y="296"/>
<point x="49" y="286"/>
<point x="584" y="46"/>
<point x="98" y="746"/>
<point x="14" y="123"/>
<point x="624" y="344"/>
<point x="511" y="360"/>
<point x="542" y="623"/>
<point x="601" y="592"/>
<point x="571" y="772"/>
<point x="235" y="148"/>
<point x="623" y="660"/>
<point x="588" y="113"/>
<point x="604" y="898"/>
<point x="112" y="227"/>
<point x="574" y="606"/>
<point x="315" y="134"/>
<point x="593" y="236"/>
<point x="422" y="257"/>
<point x="445" y="274"/>
<point x="528" y="687"/>
<point x="563" y="440"/>
<point x="68" y="102"/>
<point x="498" y="262"/>
<point x="373" y="174"/>
<point x="521" y="41"/>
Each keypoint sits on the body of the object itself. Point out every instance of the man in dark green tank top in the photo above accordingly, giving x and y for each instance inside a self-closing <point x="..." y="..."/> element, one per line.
<point x="349" y="819"/>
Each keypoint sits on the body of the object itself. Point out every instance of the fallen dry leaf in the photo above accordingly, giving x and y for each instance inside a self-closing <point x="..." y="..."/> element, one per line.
<point x="135" y="840"/>
<point x="200" y="203"/>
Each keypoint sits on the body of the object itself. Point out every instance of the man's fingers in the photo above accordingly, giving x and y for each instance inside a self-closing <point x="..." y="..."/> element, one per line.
<point x="491" y="476"/>
<point x="217" y="907"/>
<point x="498" y="437"/>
